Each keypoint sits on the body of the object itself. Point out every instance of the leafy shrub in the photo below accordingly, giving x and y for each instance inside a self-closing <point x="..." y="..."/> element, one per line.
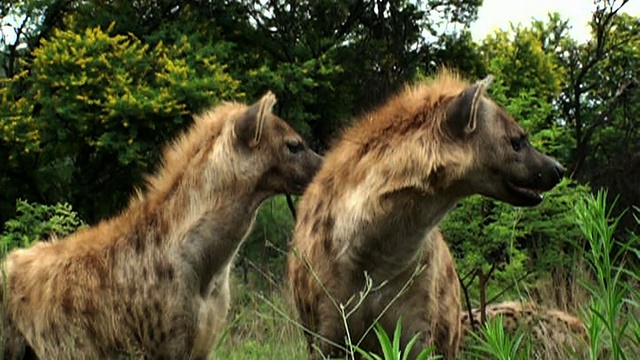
<point x="36" y="221"/>
<point x="514" y="247"/>
<point x="495" y="343"/>
<point x="612" y="314"/>
<point x="391" y="346"/>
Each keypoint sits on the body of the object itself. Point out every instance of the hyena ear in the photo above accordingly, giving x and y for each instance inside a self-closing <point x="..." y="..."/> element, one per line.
<point x="462" y="111"/>
<point x="250" y="125"/>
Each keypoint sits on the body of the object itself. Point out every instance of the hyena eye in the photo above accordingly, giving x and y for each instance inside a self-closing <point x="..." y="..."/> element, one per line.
<point x="519" y="143"/>
<point x="295" y="146"/>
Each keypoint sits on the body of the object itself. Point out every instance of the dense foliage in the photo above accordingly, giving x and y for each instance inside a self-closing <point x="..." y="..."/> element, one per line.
<point x="34" y="222"/>
<point x="90" y="91"/>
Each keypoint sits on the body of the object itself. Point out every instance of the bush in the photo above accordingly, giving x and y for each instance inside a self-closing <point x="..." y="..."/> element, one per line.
<point x="34" y="222"/>
<point x="511" y="249"/>
<point x="612" y="313"/>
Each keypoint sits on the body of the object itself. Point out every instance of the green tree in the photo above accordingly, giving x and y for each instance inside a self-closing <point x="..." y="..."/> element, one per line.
<point x="601" y="89"/>
<point x="598" y="102"/>
<point x="96" y="110"/>
<point x="508" y="249"/>
<point x="332" y="59"/>
<point x="529" y="80"/>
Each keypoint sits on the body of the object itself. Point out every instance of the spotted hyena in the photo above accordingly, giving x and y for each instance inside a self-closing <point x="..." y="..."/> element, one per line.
<point x="369" y="213"/>
<point x="153" y="282"/>
<point x="555" y="334"/>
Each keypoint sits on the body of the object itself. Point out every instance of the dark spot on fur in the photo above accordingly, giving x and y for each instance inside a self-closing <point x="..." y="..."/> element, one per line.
<point x="316" y="226"/>
<point x="138" y="242"/>
<point x="157" y="307"/>
<point x="91" y="331"/>
<point x="150" y="329"/>
<point x="319" y="209"/>
<point x="130" y="316"/>
<point x="451" y="273"/>
<point x="328" y="224"/>
<point x="442" y="292"/>
<point x="173" y="332"/>
<point x="146" y="312"/>
<point x="327" y="244"/>
<point x="164" y="271"/>
<point x="67" y="304"/>
<point x="133" y="289"/>
<point x="304" y="219"/>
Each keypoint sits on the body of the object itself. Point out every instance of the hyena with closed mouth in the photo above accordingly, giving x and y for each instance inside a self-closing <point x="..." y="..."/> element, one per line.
<point x="371" y="211"/>
<point x="153" y="282"/>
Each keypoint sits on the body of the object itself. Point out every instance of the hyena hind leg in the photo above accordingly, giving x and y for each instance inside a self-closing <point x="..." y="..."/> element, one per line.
<point x="15" y="346"/>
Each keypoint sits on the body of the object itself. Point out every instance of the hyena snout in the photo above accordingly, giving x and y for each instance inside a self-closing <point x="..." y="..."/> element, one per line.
<point x="543" y="173"/>
<point x="285" y="162"/>
<point x="303" y="171"/>
<point x="551" y="175"/>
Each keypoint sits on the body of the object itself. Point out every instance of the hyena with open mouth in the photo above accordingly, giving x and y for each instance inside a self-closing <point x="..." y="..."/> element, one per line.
<point x="371" y="211"/>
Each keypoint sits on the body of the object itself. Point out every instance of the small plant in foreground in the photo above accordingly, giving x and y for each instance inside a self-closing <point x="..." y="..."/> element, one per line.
<point x="494" y="343"/>
<point x="391" y="347"/>
<point x="612" y="294"/>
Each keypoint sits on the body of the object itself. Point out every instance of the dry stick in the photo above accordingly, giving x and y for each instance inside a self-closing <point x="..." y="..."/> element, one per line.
<point x="482" y="279"/>
<point x="264" y="274"/>
<point x="465" y="290"/>
<point x="297" y="324"/>
<point x="419" y="269"/>
<point x="291" y="206"/>
<point x="513" y="284"/>
<point x="315" y="276"/>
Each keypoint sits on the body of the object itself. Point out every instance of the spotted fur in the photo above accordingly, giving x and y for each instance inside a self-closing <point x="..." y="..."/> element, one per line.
<point x="556" y="334"/>
<point x="371" y="213"/>
<point x="153" y="282"/>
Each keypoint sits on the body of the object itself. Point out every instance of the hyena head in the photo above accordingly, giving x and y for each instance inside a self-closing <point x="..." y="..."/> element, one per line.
<point x="505" y="166"/>
<point x="284" y="162"/>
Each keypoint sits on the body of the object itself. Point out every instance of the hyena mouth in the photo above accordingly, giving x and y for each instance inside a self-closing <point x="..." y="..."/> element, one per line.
<point x="526" y="195"/>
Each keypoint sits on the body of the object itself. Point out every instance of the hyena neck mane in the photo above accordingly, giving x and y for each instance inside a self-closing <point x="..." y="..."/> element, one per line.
<point x="384" y="232"/>
<point x="397" y="178"/>
<point x="199" y="182"/>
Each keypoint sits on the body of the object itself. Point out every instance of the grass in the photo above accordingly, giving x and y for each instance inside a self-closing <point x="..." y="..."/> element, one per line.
<point x="264" y="326"/>
<point x="260" y="327"/>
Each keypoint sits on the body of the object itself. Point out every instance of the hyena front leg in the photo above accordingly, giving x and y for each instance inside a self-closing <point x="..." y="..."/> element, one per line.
<point x="330" y="332"/>
<point x="434" y="328"/>
<point x="440" y="336"/>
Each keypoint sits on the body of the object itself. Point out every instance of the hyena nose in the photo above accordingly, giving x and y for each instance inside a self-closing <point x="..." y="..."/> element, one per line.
<point x="559" y="170"/>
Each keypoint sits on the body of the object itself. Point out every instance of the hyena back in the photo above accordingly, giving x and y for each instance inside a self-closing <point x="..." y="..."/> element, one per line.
<point x="555" y="334"/>
<point x="153" y="282"/>
<point x="381" y="191"/>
